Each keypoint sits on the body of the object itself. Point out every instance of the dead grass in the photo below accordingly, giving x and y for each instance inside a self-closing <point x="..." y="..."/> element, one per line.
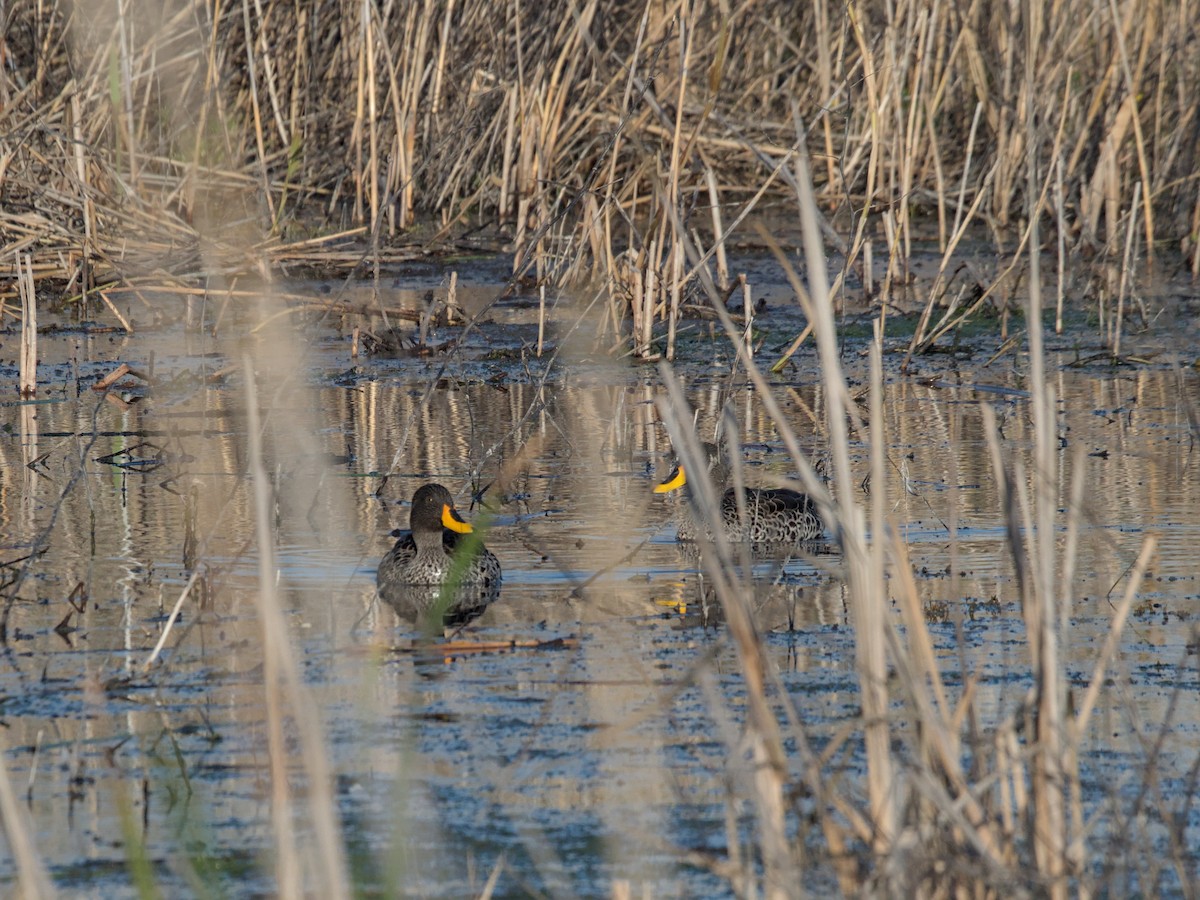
<point x="185" y="138"/>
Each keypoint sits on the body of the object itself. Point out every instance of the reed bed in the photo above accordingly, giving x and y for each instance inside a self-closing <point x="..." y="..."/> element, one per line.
<point x="608" y="139"/>
<point x="952" y="802"/>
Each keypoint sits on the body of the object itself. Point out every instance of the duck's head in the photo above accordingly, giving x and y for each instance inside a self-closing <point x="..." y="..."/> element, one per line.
<point x="433" y="509"/>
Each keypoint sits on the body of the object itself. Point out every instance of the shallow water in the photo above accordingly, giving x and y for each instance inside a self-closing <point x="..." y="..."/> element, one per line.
<point x="605" y="757"/>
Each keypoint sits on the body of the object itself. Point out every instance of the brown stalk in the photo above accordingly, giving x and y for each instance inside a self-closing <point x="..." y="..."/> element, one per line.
<point x="28" y="365"/>
<point x="1126" y="270"/>
<point x="282" y="683"/>
<point x="768" y="762"/>
<point x="33" y="881"/>
<point x="252" y="73"/>
<point x="1043" y="623"/>
<point x="1134" y="88"/>
<point x="863" y="562"/>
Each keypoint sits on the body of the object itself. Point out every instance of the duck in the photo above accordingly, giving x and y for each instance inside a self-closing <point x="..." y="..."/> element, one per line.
<point x="773" y="515"/>
<point x="411" y="575"/>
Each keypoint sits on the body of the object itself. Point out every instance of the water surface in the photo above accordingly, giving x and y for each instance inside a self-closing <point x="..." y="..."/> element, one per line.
<point x="603" y="755"/>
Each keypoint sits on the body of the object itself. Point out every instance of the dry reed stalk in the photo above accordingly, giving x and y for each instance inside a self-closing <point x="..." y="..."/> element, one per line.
<point x="453" y="312"/>
<point x="89" y="210"/>
<point x="1195" y="235"/>
<point x="1112" y="640"/>
<point x="826" y="43"/>
<point x="762" y="741"/>
<point x="283" y="683"/>
<point x="748" y="315"/>
<point x="371" y="176"/>
<point x="541" y="318"/>
<point x="650" y="288"/>
<point x="1050" y="765"/>
<point x="671" y="239"/>
<point x="1133" y="85"/>
<point x="171" y="619"/>
<point x="1126" y="271"/>
<point x="33" y="881"/>
<point x="28" y="365"/>
<point x="714" y="200"/>
<point x="676" y="292"/>
<point x="256" y="111"/>
<point x="1061" y="231"/>
<point x="637" y="308"/>
<point x="863" y="558"/>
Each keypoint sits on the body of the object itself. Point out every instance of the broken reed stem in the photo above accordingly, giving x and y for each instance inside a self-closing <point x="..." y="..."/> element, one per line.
<point x="541" y="318"/>
<point x="116" y="312"/>
<point x="637" y="310"/>
<point x="676" y="292"/>
<point x="748" y="312"/>
<point x="452" y="311"/>
<point x="650" y="289"/>
<point x="282" y="683"/>
<point x="162" y="638"/>
<point x="28" y="367"/>
<point x="714" y="200"/>
<point x="1126" y="270"/>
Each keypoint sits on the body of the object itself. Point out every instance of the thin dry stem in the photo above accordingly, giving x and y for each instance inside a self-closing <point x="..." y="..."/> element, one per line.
<point x="282" y="684"/>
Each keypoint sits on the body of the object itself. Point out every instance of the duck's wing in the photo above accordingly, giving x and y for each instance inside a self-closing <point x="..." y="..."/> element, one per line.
<point x="780" y="501"/>
<point x="401" y="554"/>
<point x="774" y="502"/>
<point x="772" y="515"/>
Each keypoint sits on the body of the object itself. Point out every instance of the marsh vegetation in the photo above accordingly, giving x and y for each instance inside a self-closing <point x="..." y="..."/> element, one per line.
<point x="273" y="266"/>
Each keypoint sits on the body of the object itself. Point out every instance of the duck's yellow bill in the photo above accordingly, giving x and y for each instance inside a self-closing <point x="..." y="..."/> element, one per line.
<point x="451" y="520"/>
<point x="674" y="481"/>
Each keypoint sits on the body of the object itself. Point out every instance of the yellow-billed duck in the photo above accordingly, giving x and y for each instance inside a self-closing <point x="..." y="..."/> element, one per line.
<point x="773" y="515"/>
<point x="422" y="558"/>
